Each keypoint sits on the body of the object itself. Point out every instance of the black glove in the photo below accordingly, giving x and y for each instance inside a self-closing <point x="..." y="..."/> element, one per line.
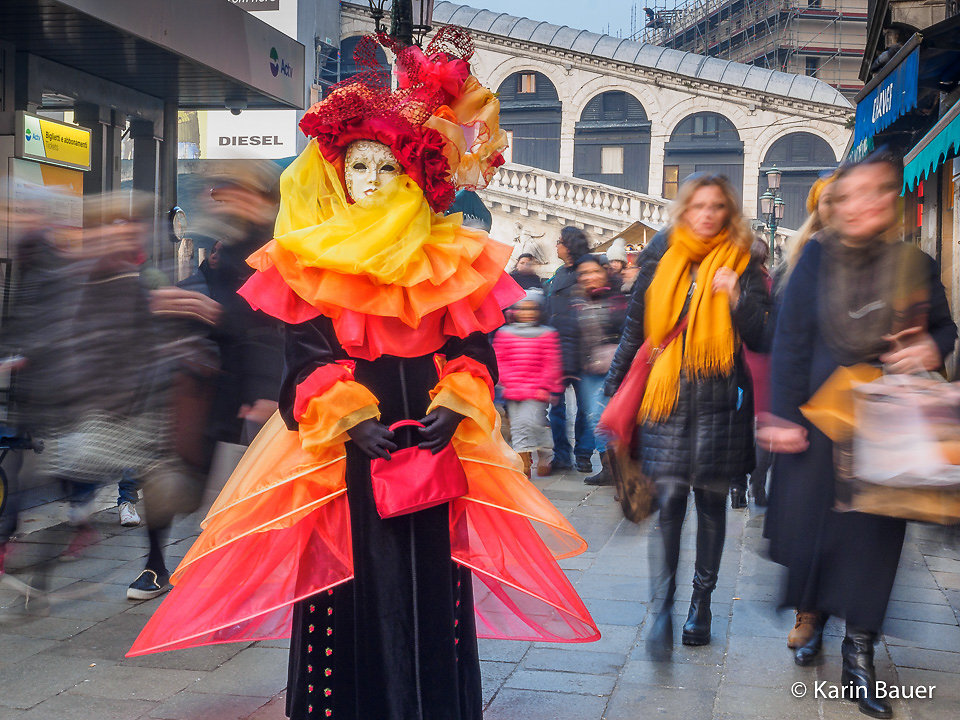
<point x="439" y="427"/>
<point x="373" y="438"/>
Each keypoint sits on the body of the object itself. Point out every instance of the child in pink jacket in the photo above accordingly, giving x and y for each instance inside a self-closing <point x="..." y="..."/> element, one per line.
<point x="528" y="356"/>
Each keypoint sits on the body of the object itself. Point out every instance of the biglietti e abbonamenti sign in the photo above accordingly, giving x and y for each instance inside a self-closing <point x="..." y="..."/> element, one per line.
<point x="51" y="141"/>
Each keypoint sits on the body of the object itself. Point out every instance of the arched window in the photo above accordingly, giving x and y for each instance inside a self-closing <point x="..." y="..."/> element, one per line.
<point x="612" y="142"/>
<point x="702" y="142"/>
<point x="800" y="157"/>
<point x="530" y="111"/>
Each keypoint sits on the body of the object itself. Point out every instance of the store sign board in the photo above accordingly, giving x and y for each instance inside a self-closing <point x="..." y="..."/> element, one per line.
<point x="895" y="96"/>
<point x="254" y="134"/>
<point x="50" y="141"/>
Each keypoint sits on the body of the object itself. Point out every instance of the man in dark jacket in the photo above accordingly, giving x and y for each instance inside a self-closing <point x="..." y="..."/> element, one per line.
<point x="560" y="288"/>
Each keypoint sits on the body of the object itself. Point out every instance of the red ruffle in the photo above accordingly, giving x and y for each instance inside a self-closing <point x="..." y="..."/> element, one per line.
<point x="318" y="382"/>
<point x="468" y="365"/>
<point x="369" y="336"/>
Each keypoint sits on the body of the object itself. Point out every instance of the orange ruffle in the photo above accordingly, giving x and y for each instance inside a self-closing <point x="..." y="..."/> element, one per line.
<point x="282" y="523"/>
<point x="366" y="336"/>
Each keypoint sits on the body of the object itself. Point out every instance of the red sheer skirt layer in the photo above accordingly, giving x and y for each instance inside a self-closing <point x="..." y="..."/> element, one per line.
<point x="280" y="532"/>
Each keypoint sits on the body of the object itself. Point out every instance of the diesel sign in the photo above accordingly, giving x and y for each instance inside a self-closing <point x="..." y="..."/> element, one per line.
<point x="250" y="140"/>
<point x="255" y="134"/>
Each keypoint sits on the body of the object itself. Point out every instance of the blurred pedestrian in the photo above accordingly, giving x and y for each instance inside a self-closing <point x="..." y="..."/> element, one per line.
<point x="528" y="358"/>
<point x="571" y="245"/>
<point x="525" y="273"/>
<point x="759" y="365"/>
<point x="819" y="206"/>
<point x="697" y="409"/>
<point x="819" y="209"/>
<point x="851" y="299"/>
<point x="246" y="383"/>
<point x="595" y="320"/>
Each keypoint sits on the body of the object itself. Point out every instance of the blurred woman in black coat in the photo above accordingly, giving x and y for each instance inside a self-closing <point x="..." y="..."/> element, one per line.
<point x="697" y="409"/>
<point x="840" y="309"/>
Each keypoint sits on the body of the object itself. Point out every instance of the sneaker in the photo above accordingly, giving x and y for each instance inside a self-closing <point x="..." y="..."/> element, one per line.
<point x="83" y="537"/>
<point x="148" y="585"/>
<point x="584" y="465"/>
<point x="128" y="514"/>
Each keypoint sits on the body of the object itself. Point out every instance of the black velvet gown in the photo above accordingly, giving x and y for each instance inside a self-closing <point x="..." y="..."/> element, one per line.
<point x="398" y="641"/>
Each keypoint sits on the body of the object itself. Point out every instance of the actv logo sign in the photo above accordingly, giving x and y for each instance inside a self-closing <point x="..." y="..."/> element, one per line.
<point x="279" y="66"/>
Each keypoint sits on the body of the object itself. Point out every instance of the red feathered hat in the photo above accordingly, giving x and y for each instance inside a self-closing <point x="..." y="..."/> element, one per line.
<point x="418" y="121"/>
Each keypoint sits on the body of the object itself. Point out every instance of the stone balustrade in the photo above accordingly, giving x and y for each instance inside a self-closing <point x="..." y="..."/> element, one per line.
<point x="604" y="209"/>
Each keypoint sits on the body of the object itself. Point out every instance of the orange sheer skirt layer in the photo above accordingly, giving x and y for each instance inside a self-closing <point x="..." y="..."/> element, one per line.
<point x="280" y="532"/>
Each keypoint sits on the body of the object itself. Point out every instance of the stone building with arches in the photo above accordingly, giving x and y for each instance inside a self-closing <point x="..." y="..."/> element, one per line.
<point x="604" y="129"/>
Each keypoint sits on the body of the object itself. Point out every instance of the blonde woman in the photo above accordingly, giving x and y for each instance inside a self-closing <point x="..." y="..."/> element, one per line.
<point x="696" y="415"/>
<point x="819" y="207"/>
<point x="807" y="628"/>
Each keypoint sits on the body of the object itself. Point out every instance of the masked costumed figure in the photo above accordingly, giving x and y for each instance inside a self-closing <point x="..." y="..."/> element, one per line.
<point x="387" y="305"/>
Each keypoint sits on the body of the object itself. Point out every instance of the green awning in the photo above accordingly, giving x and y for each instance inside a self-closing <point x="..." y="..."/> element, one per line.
<point x="936" y="147"/>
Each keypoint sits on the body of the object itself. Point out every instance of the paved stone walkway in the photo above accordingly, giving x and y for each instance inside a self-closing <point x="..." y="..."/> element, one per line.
<point x="66" y="661"/>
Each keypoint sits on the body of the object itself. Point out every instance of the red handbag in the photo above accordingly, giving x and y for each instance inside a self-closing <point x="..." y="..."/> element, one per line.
<point x="416" y="479"/>
<point x="619" y="418"/>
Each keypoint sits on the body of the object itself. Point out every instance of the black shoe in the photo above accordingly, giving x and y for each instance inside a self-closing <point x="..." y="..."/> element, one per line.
<point x="148" y="585"/>
<point x="660" y="639"/>
<point x="604" y="477"/>
<point x="758" y="490"/>
<point x="557" y="467"/>
<point x="859" y="677"/>
<point x="738" y="498"/>
<point x="696" y="630"/>
<point x="807" y="653"/>
<point x="584" y="465"/>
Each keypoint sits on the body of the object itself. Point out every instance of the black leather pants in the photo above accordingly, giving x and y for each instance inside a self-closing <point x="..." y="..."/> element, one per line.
<point x="711" y="530"/>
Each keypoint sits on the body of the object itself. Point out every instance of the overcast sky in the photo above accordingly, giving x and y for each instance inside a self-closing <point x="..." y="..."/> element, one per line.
<point x="593" y="15"/>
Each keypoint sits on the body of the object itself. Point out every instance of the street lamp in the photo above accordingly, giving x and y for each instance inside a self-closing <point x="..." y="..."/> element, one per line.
<point x="772" y="207"/>
<point x="410" y="20"/>
<point x="773" y="178"/>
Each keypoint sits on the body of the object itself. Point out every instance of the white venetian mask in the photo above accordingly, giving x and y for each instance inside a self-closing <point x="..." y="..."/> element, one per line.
<point x="368" y="166"/>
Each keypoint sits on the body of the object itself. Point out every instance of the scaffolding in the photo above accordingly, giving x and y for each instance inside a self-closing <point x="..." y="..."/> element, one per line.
<point x="821" y="38"/>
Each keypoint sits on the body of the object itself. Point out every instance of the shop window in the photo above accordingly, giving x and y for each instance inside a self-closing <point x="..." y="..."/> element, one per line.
<point x="671" y="181"/>
<point x="611" y="160"/>
<point x="527" y="84"/>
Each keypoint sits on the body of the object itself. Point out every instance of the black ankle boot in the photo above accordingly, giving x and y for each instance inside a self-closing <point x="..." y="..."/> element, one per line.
<point x="859" y="677"/>
<point x="604" y="477"/>
<point x="711" y="529"/>
<point x="696" y="630"/>
<point x="808" y="652"/>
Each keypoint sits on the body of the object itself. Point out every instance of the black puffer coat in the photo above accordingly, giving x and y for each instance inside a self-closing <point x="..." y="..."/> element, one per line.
<point x="708" y="438"/>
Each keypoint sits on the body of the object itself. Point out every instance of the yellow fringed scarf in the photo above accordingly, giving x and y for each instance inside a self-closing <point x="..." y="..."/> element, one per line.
<point x="708" y="347"/>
